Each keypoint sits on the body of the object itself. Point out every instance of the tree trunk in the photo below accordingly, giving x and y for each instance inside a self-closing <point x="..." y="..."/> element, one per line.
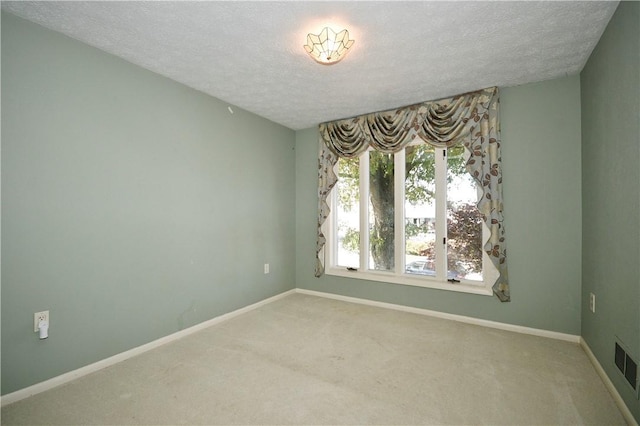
<point x="381" y="238"/>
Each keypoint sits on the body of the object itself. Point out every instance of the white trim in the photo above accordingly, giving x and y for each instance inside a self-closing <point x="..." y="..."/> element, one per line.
<point x="408" y="279"/>
<point x="626" y="413"/>
<point x="107" y="362"/>
<point x="460" y="318"/>
<point x="83" y="371"/>
<point x="399" y="244"/>
<point x="441" y="213"/>
<point x="363" y="188"/>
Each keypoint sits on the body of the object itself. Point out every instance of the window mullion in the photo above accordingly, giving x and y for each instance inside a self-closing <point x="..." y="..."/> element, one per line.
<point x="398" y="197"/>
<point x="364" y="211"/>
<point x="441" y="214"/>
<point x="331" y="249"/>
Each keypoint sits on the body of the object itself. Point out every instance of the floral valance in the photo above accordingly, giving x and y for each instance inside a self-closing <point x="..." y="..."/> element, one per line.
<point x="471" y="119"/>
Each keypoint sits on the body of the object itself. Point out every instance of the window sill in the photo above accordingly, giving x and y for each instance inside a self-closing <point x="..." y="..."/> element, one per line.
<point x="481" y="288"/>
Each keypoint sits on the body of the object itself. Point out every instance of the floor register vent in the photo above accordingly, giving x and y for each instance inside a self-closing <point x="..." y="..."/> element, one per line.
<point x="627" y="366"/>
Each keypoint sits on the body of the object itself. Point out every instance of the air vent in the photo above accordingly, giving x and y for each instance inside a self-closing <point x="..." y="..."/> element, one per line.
<point x="620" y="356"/>
<point x="631" y="371"/>
<point x="627" y="366"/>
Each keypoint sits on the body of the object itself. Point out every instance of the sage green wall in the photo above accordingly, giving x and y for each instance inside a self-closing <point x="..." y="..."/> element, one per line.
<point x="541" y="169"/>
<point x="611" y="194"/>
<point x="132" y="206"/>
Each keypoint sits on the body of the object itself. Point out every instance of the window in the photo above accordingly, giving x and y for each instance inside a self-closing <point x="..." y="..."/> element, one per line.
<point x="391" y="212"/>
<point x="409" y="218"/>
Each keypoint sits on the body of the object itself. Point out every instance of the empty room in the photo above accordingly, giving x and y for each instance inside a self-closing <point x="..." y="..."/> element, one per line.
<point x="310" y="212"/>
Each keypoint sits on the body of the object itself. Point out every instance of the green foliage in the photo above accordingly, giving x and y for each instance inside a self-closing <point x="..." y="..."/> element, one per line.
<point x="351" y="240"/>
<point x="348" y="182"/>
<point x="411" y="229"/>
<point x="419" y="188"/>
<point x="420" y="172"/>
<point x="456" y="164"/>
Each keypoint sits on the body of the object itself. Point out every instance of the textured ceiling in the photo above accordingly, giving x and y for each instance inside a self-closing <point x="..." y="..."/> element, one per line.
<point x="250" y="54"/>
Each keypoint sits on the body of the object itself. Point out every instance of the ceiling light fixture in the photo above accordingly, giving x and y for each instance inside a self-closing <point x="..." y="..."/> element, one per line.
<point x="328" y="47"/>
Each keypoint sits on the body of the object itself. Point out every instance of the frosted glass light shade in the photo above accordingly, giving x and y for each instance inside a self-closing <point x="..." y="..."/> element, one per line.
<point x="328" y="47"/>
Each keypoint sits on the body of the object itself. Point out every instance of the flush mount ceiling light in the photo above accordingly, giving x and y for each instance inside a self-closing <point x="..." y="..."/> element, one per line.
<point x="328" y="47"/>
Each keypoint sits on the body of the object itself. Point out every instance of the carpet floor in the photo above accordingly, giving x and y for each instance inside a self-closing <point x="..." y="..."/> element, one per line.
<point x="310" y="360"/>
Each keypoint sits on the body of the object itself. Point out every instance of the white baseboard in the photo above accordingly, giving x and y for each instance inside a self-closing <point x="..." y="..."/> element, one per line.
<point x="626" y="413"/>
<point x="91" y="368"/>
<point x="83" y="371"/>
<point x="460" y="318"/>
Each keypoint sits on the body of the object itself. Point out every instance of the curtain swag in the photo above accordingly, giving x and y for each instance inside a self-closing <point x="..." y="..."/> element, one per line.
<point x="470" y="119"/>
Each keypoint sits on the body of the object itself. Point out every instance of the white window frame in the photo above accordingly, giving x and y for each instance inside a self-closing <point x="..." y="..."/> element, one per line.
<point x="399" y="276"/>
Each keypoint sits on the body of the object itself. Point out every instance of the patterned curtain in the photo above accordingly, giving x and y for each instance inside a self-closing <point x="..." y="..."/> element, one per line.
<point x="470" y="119"/>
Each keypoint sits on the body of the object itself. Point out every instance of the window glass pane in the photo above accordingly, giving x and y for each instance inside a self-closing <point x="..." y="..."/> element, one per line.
<point x="381" y="211"/>
<point x="348" y="213"/>
<point x="420" y="210"/>
<point x="464" y="221"/>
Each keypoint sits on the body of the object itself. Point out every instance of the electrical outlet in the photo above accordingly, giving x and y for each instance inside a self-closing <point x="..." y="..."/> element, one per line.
<point x="592" y="302"/>
<point x="40" y="316"/>
<point x="266" y="268"/>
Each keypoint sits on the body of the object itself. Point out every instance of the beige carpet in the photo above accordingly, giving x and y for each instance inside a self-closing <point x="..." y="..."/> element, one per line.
<point x="310" y="360"/>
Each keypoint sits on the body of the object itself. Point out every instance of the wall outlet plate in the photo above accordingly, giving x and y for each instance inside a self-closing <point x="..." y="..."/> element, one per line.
<point x="38" y="316"/>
